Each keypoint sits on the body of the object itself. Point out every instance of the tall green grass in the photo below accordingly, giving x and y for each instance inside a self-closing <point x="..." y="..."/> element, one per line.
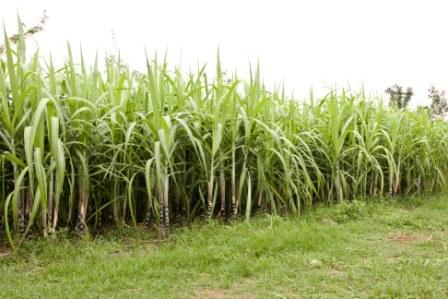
<point x="85" y="147"/>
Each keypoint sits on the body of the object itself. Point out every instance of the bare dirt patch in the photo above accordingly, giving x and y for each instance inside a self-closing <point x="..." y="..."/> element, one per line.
<point x="410" y="238"/>
<point x="218" y="293"/>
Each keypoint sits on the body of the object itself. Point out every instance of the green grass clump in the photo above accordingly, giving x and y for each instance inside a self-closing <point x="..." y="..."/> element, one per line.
<point x="313" y="256"/>
<point x="85" y="147"/>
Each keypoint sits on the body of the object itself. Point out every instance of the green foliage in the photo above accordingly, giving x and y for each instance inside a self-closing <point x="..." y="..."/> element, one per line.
<point x="85" y="148"/>
<point x="347" y="211"/>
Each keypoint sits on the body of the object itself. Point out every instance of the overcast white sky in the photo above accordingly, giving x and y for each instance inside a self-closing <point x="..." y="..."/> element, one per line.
<point x="319" y="43"/>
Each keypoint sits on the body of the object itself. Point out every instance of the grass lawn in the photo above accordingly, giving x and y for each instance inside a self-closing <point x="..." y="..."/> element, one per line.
<point x="395" y="248"/>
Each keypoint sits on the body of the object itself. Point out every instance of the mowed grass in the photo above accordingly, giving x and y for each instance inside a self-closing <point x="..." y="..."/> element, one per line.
<point x="394" y="248"/>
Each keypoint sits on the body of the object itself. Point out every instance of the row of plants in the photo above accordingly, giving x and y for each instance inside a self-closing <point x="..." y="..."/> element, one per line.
<point x="84" y="147"/>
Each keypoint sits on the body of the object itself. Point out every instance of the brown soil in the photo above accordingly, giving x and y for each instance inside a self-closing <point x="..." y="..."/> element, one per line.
<point x="218" y="293"/>
<point x="410" y="238"/>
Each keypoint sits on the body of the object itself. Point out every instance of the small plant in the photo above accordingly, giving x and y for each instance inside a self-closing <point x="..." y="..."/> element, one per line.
<point x="398" y="97"/>
<point x="347" y="211"/>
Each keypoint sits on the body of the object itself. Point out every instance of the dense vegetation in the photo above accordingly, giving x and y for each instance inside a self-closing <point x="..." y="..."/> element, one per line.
<point x="85" y="147"/>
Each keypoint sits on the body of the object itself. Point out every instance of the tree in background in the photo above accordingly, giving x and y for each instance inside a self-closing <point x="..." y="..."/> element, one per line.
<point x="438" y="101"/>
<point x="398" y="97"/>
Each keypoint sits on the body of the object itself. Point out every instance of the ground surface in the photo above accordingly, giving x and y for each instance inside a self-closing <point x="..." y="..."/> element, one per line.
<point x="388" y="249"/>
